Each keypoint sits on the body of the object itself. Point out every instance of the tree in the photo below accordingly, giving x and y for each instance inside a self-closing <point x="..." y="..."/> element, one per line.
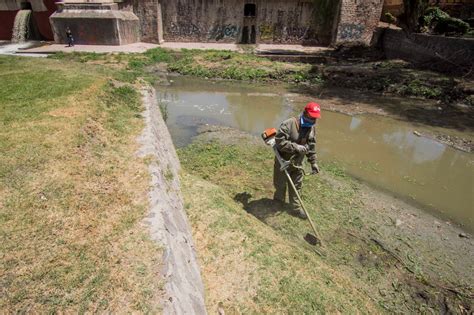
<point x="413" y="10"/>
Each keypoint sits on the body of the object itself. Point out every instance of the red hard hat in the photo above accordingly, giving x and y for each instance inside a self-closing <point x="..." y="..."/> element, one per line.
<point x="313" y="110"/>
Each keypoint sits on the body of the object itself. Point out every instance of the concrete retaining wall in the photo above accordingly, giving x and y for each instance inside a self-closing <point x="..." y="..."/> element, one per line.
<point x="421" y="48"/>
<point x="149" y="13"/>
<point x="167" y="219"/>
<point x="275" y="21"/>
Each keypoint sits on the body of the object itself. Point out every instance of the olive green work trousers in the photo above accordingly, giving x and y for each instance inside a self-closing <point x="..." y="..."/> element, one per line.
<point x="281" y="184"/>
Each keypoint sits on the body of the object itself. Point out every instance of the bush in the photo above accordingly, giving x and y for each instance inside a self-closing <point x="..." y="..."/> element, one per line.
<point x="451" y="25"/>
<point x="440" y="22"/>
<point x="389" y="18"/>
<point x="432" y="16"/>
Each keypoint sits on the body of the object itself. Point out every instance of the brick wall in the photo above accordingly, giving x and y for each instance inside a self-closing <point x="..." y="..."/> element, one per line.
<point x="358" y="20"/>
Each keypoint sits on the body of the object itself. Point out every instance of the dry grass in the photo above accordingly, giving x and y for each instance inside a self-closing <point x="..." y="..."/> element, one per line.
<point x="249" y="268"/>
<point x="72" y="193"/>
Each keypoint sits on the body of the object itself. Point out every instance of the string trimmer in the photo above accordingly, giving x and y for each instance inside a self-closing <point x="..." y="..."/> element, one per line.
<point x="269" y="137"/>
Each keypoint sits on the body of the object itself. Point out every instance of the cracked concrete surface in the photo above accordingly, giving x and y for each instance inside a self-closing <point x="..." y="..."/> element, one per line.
<point x="168" y="222"/>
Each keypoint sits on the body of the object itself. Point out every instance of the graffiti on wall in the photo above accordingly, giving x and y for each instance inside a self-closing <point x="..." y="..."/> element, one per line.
<point x="266" y="31"/>
<point x="296" y="33"/>
<point x="184" y="29"/>
<point x="219" y="32"/>
<point x="351" y="31"/>
<point x="283" y="34"/>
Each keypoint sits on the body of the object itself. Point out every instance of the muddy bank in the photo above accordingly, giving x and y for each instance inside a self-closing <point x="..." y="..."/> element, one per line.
<point x="404" y="259"/>
<point x="167" y="219"/>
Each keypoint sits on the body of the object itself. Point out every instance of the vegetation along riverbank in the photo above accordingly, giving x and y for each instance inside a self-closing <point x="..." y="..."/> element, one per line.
<point x="73" y="194"/>
<point x="448" y="98"/>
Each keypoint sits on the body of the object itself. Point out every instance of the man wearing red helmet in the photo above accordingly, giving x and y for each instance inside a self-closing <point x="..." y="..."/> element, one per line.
<point x="296" y="139"/>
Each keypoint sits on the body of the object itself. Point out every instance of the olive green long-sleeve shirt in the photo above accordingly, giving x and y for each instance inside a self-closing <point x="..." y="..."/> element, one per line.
<point x="288" y="136"/>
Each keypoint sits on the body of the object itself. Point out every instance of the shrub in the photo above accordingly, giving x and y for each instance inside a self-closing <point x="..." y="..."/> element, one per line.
<point x="432" y="15"/>
<point x="451" y="25"/>
<point x="389" y="18"/>
<point x="440" y="22"/>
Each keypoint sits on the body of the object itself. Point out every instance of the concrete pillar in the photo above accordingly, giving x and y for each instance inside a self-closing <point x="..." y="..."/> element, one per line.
<point x="95" y="23"/>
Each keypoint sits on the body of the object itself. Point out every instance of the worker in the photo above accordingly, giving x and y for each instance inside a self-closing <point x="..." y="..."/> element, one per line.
<point x="295" y="139"/>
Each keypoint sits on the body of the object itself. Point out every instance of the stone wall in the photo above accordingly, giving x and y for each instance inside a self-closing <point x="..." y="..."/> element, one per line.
<point x="358" y="20"/>
<point x="275" y="21"/>
<point x="441" y="51"/>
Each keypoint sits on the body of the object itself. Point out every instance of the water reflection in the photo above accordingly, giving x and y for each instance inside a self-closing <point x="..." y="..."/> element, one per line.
<point x="419" y="148"/>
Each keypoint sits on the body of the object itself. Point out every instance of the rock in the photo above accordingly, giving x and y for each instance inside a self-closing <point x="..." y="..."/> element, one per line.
<point x="393" y="207"/>
<point x="416" y="133"/>
<point x="463" y="235"/>
<point x="398" y="222"/>
<point x="220" y="308"/>
<point x="437" y="224"/>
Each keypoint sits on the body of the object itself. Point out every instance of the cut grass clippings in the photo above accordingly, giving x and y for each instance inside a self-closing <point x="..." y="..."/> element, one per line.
<point x="72" y="192"/>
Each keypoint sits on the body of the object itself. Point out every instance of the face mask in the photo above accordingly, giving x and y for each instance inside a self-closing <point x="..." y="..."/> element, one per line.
<point x="306" y="123"/>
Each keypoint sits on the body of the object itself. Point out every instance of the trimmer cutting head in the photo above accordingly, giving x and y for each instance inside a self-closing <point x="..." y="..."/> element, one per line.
<point x="311" y="239"/>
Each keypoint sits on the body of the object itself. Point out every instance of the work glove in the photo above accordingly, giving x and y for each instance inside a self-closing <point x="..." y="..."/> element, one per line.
<point x="314" y="169"/>
<point x="301" y="149"/>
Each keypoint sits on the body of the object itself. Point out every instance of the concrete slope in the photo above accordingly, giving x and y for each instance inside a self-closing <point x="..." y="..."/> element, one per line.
<point x="168" y="221"/>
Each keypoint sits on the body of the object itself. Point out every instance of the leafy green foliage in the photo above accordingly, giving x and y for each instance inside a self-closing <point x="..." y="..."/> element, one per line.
<point x="451" y="25"/>
<point x="440" y="22"/>
<point x="389" y="18"/>
<point x="238" y="66"/>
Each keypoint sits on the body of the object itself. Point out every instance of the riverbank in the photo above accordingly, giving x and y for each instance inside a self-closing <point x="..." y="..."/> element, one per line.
<point x="379" y="246"/>
<point x="425" y="97"/>
<point x="73" y="193"/>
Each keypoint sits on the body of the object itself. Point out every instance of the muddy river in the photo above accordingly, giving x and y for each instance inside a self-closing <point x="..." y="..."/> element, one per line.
<point x="380" y="151"/>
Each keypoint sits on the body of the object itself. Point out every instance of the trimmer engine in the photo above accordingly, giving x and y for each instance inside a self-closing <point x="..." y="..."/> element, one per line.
<point x="268" y="136"/>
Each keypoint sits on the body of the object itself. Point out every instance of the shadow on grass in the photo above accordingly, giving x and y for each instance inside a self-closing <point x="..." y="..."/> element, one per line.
<point x="263" y="208"/>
